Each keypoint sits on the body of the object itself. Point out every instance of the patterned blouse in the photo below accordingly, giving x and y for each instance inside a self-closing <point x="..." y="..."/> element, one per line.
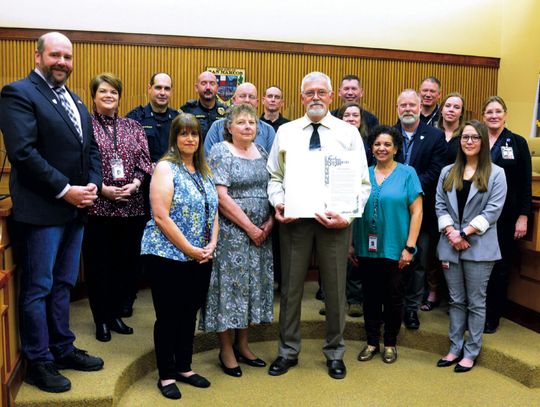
<point x="193" y="208"/>
<point x="132" y="148"/>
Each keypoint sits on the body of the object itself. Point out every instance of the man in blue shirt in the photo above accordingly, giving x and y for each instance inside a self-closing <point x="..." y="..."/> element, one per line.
<point x="246" y="93"/>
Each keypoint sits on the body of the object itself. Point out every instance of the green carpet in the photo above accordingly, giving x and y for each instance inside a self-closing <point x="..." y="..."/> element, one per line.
<point x="508" y="371"/>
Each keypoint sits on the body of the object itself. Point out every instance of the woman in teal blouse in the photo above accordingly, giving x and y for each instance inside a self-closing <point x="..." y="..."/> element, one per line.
<point x="384" y="240"/>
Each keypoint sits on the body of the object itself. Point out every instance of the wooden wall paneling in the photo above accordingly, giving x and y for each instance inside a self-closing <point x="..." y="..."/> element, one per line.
<point x="382" y="77"/>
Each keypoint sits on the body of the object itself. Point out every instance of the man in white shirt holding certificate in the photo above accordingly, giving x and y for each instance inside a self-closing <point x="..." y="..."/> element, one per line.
<point x="326" y="231"/>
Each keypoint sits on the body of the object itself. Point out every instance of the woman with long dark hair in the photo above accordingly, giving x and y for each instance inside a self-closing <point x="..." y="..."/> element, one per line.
<point x="178" y="244"/>
<point x="470" y="198"/>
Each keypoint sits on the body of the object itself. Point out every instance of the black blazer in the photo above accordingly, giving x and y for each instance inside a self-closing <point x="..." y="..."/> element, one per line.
<point x="518" y="173"/>
<point x="45" y="151"/>
<point x="428" y="157"/>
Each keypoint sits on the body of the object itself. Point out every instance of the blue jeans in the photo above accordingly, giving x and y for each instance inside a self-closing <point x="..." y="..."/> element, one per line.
<point x="467" y="284"/>
<point x="49" y="258"/>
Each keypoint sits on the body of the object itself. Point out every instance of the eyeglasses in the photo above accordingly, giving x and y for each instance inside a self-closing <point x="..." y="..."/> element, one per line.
<point x="321" y="93"/>
<point x="474" y="138"/>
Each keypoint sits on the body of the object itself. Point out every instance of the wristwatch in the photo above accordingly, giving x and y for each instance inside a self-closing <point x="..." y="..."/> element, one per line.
<point x="463" y="234"/>
<point x="411" y="249"/>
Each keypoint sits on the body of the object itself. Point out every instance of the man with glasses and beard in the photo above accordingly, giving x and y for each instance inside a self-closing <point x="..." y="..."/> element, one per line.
<point x="328" y="233"/>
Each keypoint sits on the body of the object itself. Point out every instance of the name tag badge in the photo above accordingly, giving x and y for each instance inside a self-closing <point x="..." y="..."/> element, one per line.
<point x="372" y="243"/>
<point x="507" y="153"/>
<point x="445" y="265"/>
<point x="117" y="169"/>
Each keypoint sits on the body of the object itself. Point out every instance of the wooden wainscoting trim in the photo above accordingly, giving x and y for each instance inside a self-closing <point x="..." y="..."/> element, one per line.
<point x="253" y="45"/>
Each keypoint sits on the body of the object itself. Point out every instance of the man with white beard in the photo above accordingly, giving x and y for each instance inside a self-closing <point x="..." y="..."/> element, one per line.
<point x="328" y="232"/>
<point x="424" y="148"/>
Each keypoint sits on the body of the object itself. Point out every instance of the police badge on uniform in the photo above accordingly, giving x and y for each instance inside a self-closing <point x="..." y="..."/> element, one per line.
<point x="228" y="80"/>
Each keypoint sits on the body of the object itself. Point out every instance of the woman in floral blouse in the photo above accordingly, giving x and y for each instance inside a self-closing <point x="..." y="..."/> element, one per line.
<point x="178" y="246"/>
<point x="116" y="221"/>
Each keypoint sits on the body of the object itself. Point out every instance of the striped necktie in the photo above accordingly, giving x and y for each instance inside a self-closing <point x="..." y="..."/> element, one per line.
<point x="67" y="107"/>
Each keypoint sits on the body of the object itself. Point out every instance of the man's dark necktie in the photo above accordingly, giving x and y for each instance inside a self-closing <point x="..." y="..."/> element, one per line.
<point x="315" y="140"/>
<point x="67" y="107"/>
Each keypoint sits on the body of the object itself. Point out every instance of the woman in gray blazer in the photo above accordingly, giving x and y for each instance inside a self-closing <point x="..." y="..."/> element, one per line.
<point x="470" y="197"/>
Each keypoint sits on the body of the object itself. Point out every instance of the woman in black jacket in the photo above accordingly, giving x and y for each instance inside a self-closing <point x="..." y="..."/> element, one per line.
<point x="511" y="152"/>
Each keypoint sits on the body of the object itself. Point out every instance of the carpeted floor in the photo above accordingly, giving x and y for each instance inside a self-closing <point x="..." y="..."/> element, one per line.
<point x="508" y="371"/>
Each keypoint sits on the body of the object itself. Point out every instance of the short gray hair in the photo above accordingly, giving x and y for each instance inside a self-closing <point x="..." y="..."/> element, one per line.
<point x="410" y="90"/>
<point x="312" y="76"/>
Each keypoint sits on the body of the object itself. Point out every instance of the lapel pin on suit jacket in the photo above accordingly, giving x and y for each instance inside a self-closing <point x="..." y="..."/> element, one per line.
<point x="54" y="101"/>
<point x="421" y="137"/>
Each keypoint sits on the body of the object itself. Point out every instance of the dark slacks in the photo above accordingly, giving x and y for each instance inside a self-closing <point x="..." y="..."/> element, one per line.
<point x="178" y="291"/>
<point x="383" y="299"/>
<point x="111" y="256"/>
<point x="498" y="280"/>
<point x="49" y="257"/>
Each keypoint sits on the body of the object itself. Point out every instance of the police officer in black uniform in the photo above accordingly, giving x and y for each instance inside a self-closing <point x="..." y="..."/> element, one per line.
<point x="156" y="116"/>
<point x="206" y="109"/>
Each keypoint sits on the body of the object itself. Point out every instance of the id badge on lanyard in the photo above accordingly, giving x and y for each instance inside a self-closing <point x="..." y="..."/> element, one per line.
<point x="507" y="152"/>
<point x="372" y="243"/>
<point x="117" y="169"/>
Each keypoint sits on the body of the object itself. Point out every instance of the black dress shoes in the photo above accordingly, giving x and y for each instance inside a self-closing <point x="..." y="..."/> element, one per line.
<point x="411" y="320"/>
<point x="336" y="368"/>
<point x="462" y="369"/>
<point x="490" y="327"/>
<point x="126" y="311"/>
<point x="118" y="326"/>
<point x="251" y="362"/>
<point x="231" y="371"/>
<point x="195" y="380"/>
<point x="79" y="359"/>
<point x="169" y="391"/>
<point x="281" y="366"/>
<point x="103" y="333"/>
<point x="44" y="376"/>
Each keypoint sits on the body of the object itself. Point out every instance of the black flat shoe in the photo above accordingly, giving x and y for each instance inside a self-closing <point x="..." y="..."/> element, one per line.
<point x="251" y="362"/>
<point x="447" y="363"/>
<point x="103" y="333"/>
<point x="195" y="380"/>
<point x="169" y="391"/>
<point x="118" y="326"/>
<point x="462" y="369"/>
<point x="231" y="371"/>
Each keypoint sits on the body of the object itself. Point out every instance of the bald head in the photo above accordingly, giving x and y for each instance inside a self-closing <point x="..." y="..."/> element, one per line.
<point x="54" y="57"/>
<point x="207" y="88"/>
<point x="246" y="93"/>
